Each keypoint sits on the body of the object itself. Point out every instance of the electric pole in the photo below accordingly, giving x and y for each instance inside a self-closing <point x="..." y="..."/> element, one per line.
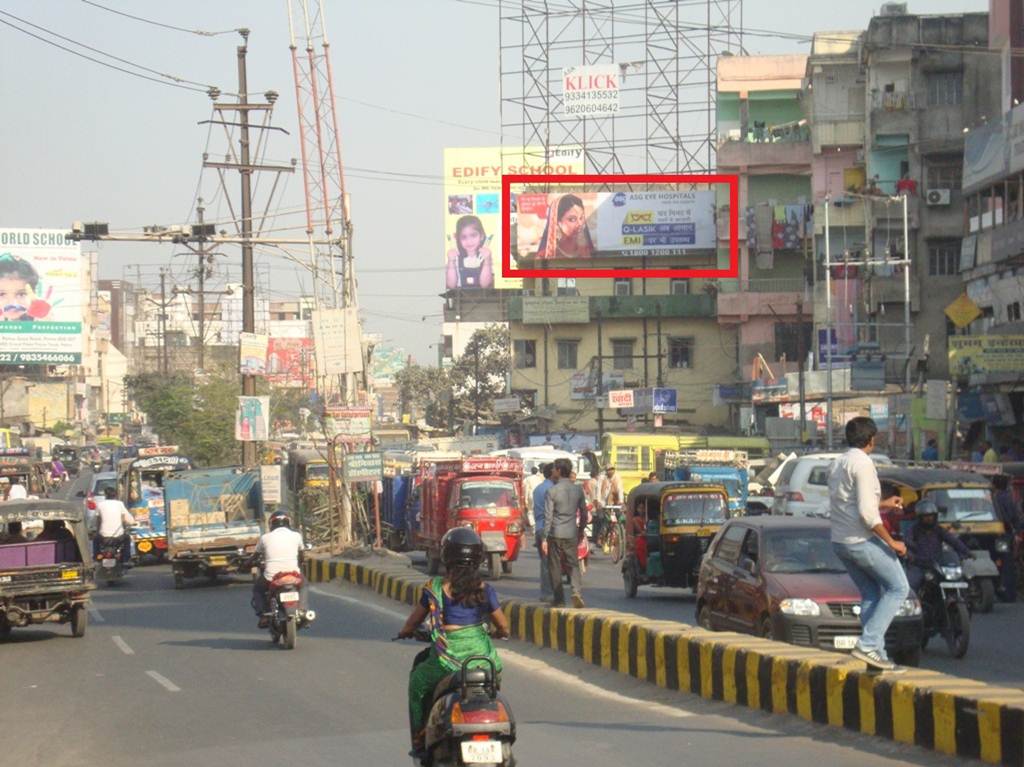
<point x="248" y="281"/>
<point x="163" y="321"/>
<point x="201" y="274"/>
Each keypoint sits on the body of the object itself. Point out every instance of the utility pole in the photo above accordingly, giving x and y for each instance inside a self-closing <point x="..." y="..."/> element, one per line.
<point x="802" y="354"/>
<point x="201" y="274"/>
<point x="476" y="384"/>
<point x="163" y="321"/>
<point x="248" y="281"/>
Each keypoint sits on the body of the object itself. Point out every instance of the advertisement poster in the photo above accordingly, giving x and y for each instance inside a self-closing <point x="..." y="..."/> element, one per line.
<point x="591" y="91"/>
<point x="472" y="208"/>
<point x="270" y="483"/>
<point x="364" y="467"/>
<point x="337" y="339"/>
<point x="980" y="355"/>
<point x="252" y="351"/>
<point x="348" y="423"/>
<point x="580" y="225"/>
<point x="290" y="362"/>
<point x="41" y="298"/>
<point x="252" y="419"/>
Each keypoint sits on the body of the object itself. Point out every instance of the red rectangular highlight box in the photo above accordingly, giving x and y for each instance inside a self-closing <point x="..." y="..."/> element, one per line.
<point x="508" y="181"/>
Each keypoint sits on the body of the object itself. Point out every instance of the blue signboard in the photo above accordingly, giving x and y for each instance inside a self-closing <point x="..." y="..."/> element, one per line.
<point x="664" y="401"/>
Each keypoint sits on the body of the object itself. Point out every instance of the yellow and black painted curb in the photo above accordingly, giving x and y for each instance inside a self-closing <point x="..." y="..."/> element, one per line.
<point x="955" y="716"/>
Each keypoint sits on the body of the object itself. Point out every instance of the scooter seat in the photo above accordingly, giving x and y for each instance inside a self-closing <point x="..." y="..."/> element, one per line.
<point x="475" y="677"/>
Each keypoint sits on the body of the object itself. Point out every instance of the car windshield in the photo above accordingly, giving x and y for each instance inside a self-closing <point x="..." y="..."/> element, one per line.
<point x="693" y="509"/>
<point x="100" y="485"/>
<point x="964" y="505"/>
<point x="475" y="495"/>
<point x="317" y="471"/>
<point x="801" y="550"/>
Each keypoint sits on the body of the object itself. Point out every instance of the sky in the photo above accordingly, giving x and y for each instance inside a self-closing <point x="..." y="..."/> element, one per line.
<point x="83" y="142"/>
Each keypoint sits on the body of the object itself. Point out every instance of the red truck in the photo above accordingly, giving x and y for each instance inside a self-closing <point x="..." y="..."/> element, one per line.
<point x="482" y="492"/>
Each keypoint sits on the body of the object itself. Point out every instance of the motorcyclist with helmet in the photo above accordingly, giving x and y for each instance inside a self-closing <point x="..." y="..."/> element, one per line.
<point x="457" y="609"/>
<point x="924" y="542"/>
<point x="280" y="551"/>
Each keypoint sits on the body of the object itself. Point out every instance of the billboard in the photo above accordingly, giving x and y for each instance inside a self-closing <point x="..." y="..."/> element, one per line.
<point x="290" y="362"/>
<point x="472" y="208"/>
<point x="252" y="354"/>
<point x="981" y="355"/>
<point x="578" y="225"/>
<point x="337" y="341"/>
<point x="42" y="298"/>
<point x="252" y="419"/>
<point x="590" y="91"/>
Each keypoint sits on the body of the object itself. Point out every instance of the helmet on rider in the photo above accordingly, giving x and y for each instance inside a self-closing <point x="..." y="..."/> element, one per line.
<point x="461" y="546"/>
<point x="927" y="513"/>
<point x="280" y="519"/>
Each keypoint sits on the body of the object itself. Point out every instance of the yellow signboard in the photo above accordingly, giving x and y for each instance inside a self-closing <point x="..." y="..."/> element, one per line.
<point x="963" y="311"/>
<point x="973" y="355"/>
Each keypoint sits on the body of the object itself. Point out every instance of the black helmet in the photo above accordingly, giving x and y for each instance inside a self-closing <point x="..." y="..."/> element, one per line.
<point x="926" y="508"/>
<point x="462" y="546"/>
<point x="280" y="519"/>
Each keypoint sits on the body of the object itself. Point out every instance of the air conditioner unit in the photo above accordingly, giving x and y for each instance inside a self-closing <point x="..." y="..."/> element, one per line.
<point x="937" y="197"/>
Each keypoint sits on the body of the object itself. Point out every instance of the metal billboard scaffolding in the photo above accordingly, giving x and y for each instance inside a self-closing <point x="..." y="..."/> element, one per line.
<point x="666" y="52"/>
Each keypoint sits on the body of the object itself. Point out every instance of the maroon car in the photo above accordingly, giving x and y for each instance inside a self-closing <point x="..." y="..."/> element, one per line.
<point x="778" y="577"/>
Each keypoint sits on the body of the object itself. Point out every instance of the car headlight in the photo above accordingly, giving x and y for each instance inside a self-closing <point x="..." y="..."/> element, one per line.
<point x="954" y="573"/>
<point x="799" y="607"/>
<point x="1002" y="546"/>
<point x="910" y="608"/>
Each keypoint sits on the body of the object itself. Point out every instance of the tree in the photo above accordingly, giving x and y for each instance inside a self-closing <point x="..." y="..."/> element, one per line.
<point x="479" y="375"/>
<point x="424" y="392"/>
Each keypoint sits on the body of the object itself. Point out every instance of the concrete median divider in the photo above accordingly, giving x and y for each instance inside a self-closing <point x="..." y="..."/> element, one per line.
<point x="955" y="716"/>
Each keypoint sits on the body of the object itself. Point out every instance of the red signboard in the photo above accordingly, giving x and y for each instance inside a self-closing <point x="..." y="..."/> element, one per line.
<point x="290" y="362"/>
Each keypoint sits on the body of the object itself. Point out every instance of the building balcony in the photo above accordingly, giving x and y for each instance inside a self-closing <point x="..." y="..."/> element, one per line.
<point x="842" y="212"/>
<point x="740" y="154"/>
<point x="740" y="299"/>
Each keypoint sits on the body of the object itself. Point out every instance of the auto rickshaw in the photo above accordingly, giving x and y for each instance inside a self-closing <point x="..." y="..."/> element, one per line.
<point x="45" y="579"/>
<point x="965" y="506"/>
<point x="669" y="526"/>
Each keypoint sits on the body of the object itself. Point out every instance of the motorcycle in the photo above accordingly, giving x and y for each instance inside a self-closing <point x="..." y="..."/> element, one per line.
<point x="944" y="603"/>
<point x="283" y="615"/>
<point x="470" y="721"/>
<point x="109" y="562"/>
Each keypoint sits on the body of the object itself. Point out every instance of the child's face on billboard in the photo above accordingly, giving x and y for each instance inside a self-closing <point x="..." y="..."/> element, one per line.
<point x="470" y="239"/>
<point x="15" y="295"/>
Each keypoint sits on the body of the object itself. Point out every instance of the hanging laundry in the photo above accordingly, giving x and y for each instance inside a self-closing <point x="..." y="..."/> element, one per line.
<point x="778" y="235"/>
<point x="750" y="221"/>
<point x="764" y="227"/>
<point x="779" y="214"/>
<point x="795" y="217"/>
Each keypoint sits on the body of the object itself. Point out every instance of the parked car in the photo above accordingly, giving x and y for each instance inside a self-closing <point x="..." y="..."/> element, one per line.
<point x="802" y="486"/>
<point x="779" y="578"/>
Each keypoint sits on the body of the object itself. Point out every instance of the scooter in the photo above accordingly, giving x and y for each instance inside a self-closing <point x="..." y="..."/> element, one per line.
<point x="470" y="721"/>
<point x="944" y="603"/>
<point x="283" y="614"/>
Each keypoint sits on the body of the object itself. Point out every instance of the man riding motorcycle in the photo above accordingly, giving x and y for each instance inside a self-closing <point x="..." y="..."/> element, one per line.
<point x="280" y="551"/>
<point x="924" y="543"/>
<point x="113" y="521"/>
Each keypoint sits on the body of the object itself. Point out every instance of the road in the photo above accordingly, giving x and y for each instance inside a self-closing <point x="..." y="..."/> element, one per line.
<point x="990" y="658"/>
<point x="167" y="677"/>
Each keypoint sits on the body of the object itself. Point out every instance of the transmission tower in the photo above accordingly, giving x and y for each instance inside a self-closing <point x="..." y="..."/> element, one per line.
<point x="322" y="169"/>
<point x="667" y="52"/>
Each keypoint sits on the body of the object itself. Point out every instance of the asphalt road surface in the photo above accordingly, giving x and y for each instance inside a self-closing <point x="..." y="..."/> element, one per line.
<point x="995" y="654"/>
<point x="167" y="677"/>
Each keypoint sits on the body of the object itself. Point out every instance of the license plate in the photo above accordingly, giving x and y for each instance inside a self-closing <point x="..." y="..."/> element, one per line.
<point x="67" y="575"/>
<point x="845" y="642"/>
<point x="109" y="563"/>
<point x="481" y="751"/>
<point x="288" y="597"/>
<point x="219" y="561"/>
<point x="954" y="585"/>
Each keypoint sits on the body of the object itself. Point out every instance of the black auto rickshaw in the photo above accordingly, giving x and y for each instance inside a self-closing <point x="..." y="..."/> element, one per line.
<point x="965" y="506"/>
<point x="18" y="466"/>
<point x="669" y="526"/>
<point x="47" y="578"/>
<point x="70" y="456"/>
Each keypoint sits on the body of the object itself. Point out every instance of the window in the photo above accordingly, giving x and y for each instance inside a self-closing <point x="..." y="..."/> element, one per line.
<point x="1013" y="312"/>
<point x="945" y="88"/>
<point x="627" y="458"/>
<point x="680" y="353"/>
<point x="567" y="354"/>
<point x="678" y="286"/>
<point x="819" y="475"/>
<point x="622" y="353"/>
<point x="749" y="550"/>
<point x="524" y="353"/>
<point x="447" y="347"/>
<point x="623" y="286"/>
<point x="729" y="546"/>
<point x="566" y="287"/>
<point x="791" y="338"/>
<point x="944" y="258"/>
<point x="528" y="397"/>
<point x="944" y="174"/>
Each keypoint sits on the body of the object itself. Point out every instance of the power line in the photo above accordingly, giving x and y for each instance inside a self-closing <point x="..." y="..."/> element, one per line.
<point x="199" y="32"/>
<point x="175" y="82"/>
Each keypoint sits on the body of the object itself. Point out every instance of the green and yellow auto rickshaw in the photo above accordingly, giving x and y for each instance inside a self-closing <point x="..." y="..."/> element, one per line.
<point x="669" y="526"/>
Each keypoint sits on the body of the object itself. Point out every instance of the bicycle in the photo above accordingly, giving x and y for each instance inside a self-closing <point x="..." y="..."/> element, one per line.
<point x="612" y="538"/>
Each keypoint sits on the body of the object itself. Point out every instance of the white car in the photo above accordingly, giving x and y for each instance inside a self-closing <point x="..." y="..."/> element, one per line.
<point x="802" y="486"/>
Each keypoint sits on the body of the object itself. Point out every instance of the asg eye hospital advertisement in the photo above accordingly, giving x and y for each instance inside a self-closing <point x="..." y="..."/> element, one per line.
<point x="41" y="298"/>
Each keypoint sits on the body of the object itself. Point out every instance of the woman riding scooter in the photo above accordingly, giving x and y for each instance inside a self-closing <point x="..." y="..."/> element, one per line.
<point x="457" y="609"/>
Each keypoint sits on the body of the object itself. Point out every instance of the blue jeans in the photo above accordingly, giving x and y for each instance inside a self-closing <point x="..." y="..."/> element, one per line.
<point x="879" y="576"/>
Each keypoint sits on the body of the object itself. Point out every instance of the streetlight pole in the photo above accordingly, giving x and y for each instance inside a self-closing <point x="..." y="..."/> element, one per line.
<point x="828" y="331"/>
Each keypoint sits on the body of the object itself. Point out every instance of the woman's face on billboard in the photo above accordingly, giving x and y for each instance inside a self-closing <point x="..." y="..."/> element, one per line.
<point x="570" y="224"/>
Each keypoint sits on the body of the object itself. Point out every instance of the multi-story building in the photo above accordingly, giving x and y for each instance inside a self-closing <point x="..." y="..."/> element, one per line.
<point x="764" y="139"/>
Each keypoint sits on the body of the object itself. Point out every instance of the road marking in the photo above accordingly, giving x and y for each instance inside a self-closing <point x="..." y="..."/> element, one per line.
<point x="538" y="666"/>
<point x="163" y="681"/>
<point x="96" y="615"/>
<point x="122" y="645"/>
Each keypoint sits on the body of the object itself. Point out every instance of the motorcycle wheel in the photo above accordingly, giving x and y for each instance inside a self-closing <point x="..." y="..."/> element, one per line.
<point x="629" y="580"/>
<point x="289" y="634"/>
<point x="615" y="543"/>
<point x="494" y="565"/>
<point x="958" y="629"/>
<point x="79" y="620"/>
<point x="179" y="581"/>
<point x="506" y="567"/>
<point x="982" y="594"/>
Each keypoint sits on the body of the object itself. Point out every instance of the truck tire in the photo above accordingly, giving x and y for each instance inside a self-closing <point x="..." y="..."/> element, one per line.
<point x="982" y="594"/>
<point x="79" y="620"/>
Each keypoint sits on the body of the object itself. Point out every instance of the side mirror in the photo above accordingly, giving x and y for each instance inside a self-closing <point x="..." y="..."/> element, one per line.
<point x="80" y="494"/>
<point x="749" y="565"/>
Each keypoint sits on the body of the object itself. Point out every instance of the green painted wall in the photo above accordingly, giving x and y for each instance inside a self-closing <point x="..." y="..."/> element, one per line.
<point x="784" y="189"/>
<point x="774" y="107"/>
